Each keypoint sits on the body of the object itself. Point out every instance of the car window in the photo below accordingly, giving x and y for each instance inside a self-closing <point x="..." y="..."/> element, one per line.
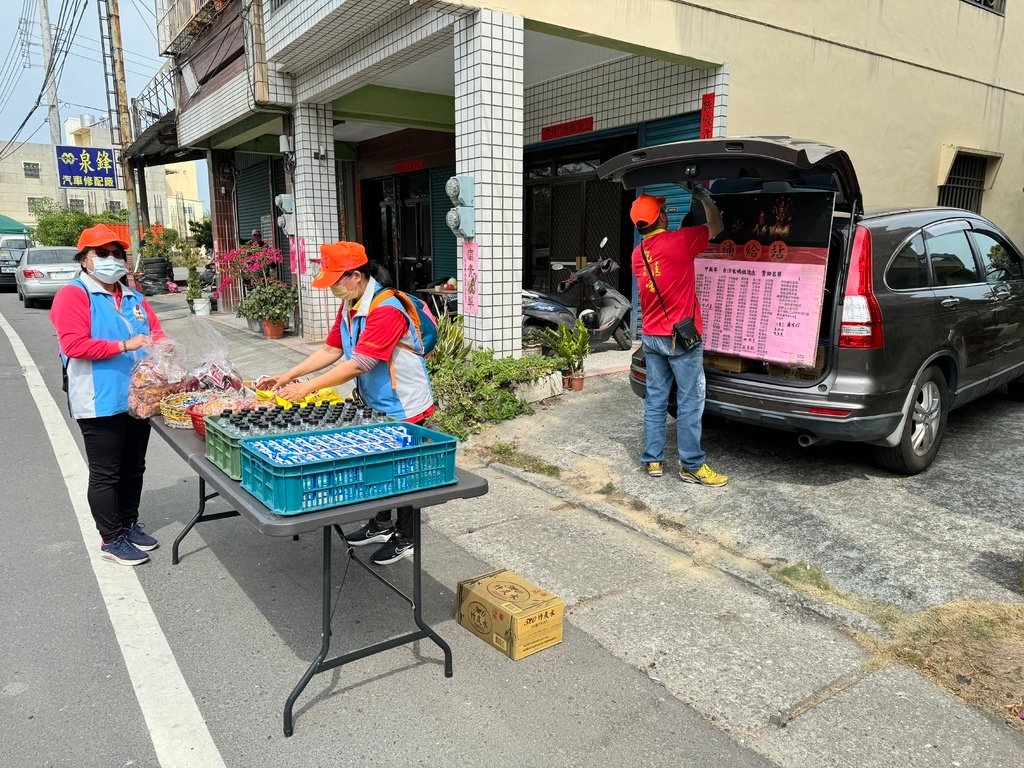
<point x="909" y="267"/>
<point x="51" y="256"/>
<point x="952" y="259"/>
<point x="999" y="260"/>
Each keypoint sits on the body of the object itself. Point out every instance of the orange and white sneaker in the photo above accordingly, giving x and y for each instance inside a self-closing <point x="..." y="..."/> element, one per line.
<point x="704" y="476"/>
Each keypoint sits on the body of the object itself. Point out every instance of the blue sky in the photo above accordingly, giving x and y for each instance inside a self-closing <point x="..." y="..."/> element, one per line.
<point x="81" y="89"/>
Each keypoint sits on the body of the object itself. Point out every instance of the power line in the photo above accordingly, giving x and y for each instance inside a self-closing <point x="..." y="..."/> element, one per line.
<point x="141" y="57"/>
<point x="143" y="19"/>
<point x="52" y="68"/>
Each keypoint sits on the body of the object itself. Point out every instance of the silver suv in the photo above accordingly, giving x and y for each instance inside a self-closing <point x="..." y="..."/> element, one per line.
<point x="923" y="308"/>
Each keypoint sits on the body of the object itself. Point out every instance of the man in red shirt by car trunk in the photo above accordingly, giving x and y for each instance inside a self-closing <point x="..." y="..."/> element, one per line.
<point x="666" y="282"/>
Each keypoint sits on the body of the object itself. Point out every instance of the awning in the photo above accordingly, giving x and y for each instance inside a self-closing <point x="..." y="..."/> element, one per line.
<point x="9" y="226"/>
<point x="158" y="144"/>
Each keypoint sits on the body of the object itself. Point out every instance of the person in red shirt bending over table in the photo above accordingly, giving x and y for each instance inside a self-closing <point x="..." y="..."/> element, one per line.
<point x="374" y="338"/>
<point x="666" y="282"/>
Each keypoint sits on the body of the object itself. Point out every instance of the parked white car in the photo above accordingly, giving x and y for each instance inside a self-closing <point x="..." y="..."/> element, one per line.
<point x="43" y="271"/>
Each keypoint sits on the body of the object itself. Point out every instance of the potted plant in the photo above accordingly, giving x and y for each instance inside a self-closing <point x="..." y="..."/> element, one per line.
<point x="578" y="351"/>
<point x="571" y="345"/>
<point x="195" y="288"/>
<point x="533" y="341"/>
<point x="273" y="303"/>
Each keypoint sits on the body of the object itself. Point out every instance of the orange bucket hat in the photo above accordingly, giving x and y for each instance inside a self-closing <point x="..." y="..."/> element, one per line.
<point x="645" y="210"/>
<point x="98" y="235"/>
<point x="335" y="260"/>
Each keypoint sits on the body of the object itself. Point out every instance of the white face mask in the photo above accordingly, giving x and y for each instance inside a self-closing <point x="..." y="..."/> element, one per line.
<point x="108" y="269"/>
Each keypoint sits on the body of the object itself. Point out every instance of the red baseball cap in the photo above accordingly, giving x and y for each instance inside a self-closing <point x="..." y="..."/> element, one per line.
<point x="645" y="210"/>
<point x="99" y="235"/>
<point x="335" y="260"/>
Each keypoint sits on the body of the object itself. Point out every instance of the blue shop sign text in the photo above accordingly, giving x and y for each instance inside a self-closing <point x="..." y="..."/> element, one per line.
<point x="86" y="167"/>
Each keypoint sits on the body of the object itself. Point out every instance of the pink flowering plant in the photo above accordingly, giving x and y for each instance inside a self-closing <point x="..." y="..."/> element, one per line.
<point x="251" y="266"/>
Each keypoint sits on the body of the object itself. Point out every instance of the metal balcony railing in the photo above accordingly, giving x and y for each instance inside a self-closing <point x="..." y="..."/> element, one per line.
<point x="154" y="101"/>
<point x="179" y="22"/>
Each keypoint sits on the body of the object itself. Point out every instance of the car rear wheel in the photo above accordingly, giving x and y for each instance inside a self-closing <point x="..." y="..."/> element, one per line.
<point x="1016" y="388"/>
<point x="29" y="303"/>
<point x="924" y="428"/>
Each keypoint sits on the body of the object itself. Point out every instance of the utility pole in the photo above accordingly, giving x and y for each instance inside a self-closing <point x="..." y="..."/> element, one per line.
<point x="124" y="125"/>
<point x="53" y="115"/>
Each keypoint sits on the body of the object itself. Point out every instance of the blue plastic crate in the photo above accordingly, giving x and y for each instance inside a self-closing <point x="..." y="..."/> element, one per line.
<point x="306" y="483"/>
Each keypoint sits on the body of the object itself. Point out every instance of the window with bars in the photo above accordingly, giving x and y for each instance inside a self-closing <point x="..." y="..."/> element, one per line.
<point x="31" y="170"/>
<point x="996" y="6"/>
<point x="76" y="204"/>
<point x="114" y="206"/>
<point x="965" y="184"/>
<point x="34" y="203"/>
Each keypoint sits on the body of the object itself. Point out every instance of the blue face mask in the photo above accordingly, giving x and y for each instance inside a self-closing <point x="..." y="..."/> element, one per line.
<point x="108" y="269"/>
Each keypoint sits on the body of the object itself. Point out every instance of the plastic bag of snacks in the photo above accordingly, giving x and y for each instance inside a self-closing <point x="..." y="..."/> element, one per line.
<point x="154" y="377"/>
<point x="207" y="359"/>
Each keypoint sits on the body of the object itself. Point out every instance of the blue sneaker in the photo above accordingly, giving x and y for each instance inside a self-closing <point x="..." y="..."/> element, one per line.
<point x="122" y="551"/>
<point x="140" y="538"/>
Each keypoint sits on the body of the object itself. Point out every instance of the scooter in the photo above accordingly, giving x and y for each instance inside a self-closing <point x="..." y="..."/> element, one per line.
<point x="608" y="317"/>
<point x="207" y="278"/>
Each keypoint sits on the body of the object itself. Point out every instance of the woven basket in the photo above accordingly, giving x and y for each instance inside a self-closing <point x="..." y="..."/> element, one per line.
<point x="173" y="408"/>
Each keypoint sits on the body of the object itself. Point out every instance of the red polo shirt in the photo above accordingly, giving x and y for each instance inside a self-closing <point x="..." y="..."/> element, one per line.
<point x="671" y="256"/>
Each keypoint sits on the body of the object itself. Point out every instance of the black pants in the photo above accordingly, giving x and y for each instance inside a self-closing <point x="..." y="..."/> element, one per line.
<point x="115" y="447"/>
<point x="404" y="526"/>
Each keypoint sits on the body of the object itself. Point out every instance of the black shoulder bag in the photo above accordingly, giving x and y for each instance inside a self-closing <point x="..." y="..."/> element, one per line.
<point x="685" y="331"/>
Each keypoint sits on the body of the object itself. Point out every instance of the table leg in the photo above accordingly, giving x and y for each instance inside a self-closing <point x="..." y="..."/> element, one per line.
<point x="325" y="641"/>
<point x="417" y="601"/>
<point x="198" y="517"/>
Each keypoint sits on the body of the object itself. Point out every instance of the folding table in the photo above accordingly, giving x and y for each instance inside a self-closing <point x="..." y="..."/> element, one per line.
<point x="188" y="445"/>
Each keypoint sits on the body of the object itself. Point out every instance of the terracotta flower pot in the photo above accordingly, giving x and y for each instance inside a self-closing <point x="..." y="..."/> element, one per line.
<point x="576" y="382"/>
<point x="273" y="330"/>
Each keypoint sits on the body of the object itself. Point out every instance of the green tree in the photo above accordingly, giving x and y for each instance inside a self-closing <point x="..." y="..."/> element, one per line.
<point x="58" y="226"/>
<point x="111" y="217"/>
<point x="201" y="232"/>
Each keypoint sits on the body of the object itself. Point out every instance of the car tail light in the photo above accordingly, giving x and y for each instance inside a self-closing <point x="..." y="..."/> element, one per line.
<point x="861" y="326"/>
<point x="828" y="412"/>
<point x="33" y="274"/>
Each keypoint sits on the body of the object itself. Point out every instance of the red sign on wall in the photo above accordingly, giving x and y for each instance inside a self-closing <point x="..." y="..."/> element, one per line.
<point x="570" y="128"/>
<point x="408" y="166"/>
<point x="707" y="116"/>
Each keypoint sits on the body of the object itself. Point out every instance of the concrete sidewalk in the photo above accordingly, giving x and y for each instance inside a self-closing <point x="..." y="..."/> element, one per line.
<point x="749" y="657"/>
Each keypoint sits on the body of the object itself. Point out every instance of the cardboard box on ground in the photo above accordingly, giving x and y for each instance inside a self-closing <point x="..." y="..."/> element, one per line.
<point x="505" y="610"/>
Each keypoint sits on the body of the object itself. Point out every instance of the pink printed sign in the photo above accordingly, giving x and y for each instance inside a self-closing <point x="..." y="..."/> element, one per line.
<point x="470" y="279"/>
<point x="760" y="285"/>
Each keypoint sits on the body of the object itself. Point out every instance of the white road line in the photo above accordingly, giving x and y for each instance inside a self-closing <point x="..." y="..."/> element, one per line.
<point x="176" y="726"/>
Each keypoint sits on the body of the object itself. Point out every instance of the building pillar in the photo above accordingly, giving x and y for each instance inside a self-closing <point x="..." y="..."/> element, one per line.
<point x="221" y="165"/>
<point x="489" y="147"/>
<point x="315" y="194"/>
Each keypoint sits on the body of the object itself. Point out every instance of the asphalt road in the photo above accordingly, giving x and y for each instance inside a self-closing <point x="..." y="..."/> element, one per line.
<point x="954" y="531"/>
<point x="239" y="623"/>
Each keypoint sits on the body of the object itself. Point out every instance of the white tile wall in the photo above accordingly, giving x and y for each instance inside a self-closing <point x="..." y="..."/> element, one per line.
<point x="630" y="90"/>
<point x="489" y="147"/>
<point x="399" y="41"/>
<point x="299" y="31"/>
<point x="231" y="102"/>
<point x="316" y="209"/>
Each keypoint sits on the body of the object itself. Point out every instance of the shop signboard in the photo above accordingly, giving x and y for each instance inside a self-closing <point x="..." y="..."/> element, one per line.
<point x="761" y="282"/>
<point x="470" y="279"/>
<point x="86" y="167"/>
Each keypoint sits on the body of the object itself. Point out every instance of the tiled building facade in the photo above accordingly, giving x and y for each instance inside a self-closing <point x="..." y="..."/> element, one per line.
<point x="524" y="94"/>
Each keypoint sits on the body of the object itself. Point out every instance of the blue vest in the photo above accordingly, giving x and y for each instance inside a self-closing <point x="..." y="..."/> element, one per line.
<point x="401" y="386"/>
<point x="100" y="387"/>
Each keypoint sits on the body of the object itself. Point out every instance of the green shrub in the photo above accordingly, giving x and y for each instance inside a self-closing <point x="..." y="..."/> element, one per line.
<point x="478" y="390"/>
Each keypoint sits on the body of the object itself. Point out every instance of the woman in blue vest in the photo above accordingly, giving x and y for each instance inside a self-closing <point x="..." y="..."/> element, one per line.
<point x="376" y="341"/>
<point x="101" y="326"/>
